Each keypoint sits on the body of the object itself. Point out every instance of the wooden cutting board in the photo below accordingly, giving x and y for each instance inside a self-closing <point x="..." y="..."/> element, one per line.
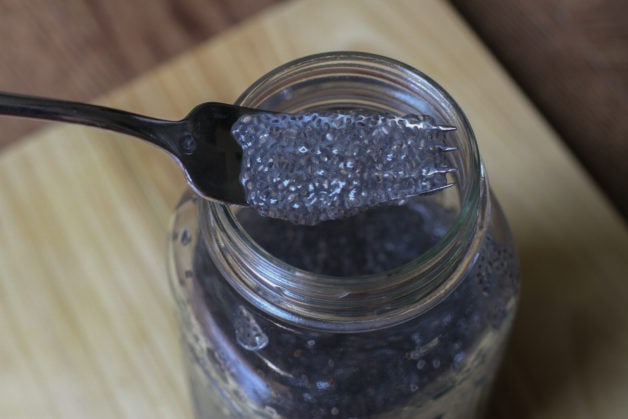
<point x="88" y="324"/>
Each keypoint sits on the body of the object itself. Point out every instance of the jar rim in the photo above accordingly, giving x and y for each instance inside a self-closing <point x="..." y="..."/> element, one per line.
<point x="297" y="295"/>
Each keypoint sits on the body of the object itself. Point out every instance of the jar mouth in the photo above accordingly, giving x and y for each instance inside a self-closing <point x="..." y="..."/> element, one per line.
<point x="376" y="300"/>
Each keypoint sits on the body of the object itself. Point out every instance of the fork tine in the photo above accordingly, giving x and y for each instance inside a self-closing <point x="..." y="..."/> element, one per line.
<point x="445" y="148"/>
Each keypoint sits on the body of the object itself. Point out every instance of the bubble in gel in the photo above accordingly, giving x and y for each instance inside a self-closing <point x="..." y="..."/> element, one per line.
<point x="323" y="385"/>
<point x="186" y="237"/>
<point x="248" y="333"/>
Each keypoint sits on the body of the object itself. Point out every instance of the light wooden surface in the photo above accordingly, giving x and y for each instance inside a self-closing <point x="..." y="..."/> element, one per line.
<point x="89" y="328"/>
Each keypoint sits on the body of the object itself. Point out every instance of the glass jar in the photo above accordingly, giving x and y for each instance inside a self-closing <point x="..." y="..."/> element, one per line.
<point x="400" y="312"/>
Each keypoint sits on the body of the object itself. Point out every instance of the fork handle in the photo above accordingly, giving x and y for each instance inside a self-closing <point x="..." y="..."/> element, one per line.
<point x="160" y="132"/>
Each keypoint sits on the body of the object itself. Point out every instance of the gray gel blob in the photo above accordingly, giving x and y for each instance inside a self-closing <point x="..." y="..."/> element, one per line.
<point x="312" y="167"/>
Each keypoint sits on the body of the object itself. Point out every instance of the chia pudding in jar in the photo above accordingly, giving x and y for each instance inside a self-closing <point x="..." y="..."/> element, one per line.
<point x="399" y="311"/>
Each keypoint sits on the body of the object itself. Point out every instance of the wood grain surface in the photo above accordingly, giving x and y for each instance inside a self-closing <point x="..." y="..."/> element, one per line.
<point x="89" y="328"/>
<point x="79" y="49"/>
<point x="571" y="58"/>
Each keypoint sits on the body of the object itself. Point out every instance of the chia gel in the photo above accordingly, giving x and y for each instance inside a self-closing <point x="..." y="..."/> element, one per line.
<point x="244" y="363"/>
<point x="317" y="166"/>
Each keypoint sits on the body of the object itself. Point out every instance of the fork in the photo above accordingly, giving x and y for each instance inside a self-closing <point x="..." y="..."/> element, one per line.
<point x="202" y="143"/>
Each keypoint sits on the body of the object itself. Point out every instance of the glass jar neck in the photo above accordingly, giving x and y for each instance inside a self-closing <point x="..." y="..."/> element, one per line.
<point x="367" y="302"/>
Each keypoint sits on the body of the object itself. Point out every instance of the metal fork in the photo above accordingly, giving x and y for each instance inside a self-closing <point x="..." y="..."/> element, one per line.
<point x="202" y="142"/>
